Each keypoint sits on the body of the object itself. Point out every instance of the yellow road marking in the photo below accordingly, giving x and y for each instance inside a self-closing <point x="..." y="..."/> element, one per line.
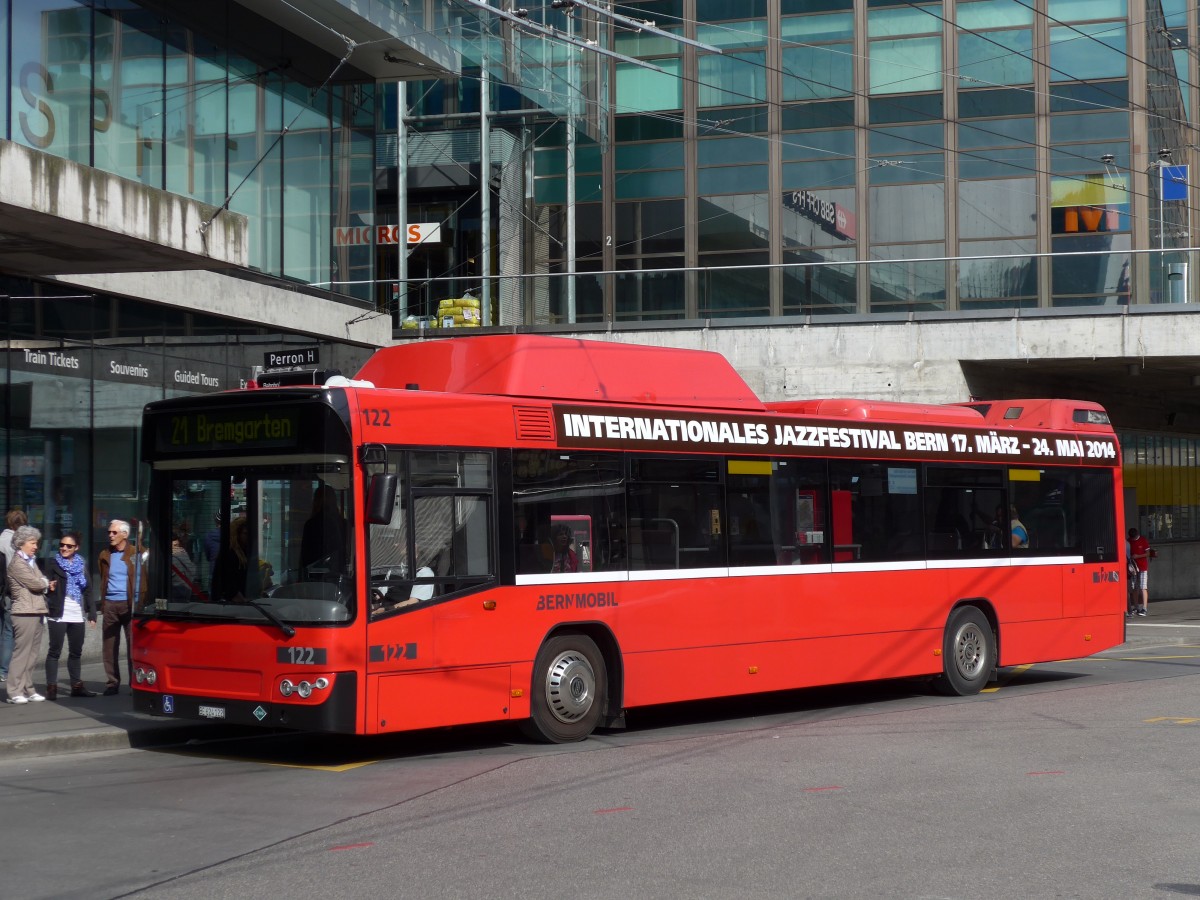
<point x="1173" y="720"/>
<point x="346" y="767"/>
<point x="1016" y="670"/>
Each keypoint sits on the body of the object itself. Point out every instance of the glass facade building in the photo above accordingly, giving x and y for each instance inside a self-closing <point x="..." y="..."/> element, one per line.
<point x="220" y="106"/>
<point x="817" y="157"/>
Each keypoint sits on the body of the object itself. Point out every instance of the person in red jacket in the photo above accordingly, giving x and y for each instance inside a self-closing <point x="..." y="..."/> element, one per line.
<point x="1140" y="552"/>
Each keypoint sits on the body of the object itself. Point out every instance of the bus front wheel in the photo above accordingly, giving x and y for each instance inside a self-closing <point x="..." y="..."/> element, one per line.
<point x="968" y="653"/>
<point x="570" y="682"/>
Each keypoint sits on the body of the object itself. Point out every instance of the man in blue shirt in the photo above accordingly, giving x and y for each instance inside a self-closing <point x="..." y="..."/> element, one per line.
<point x="122" y="590"/>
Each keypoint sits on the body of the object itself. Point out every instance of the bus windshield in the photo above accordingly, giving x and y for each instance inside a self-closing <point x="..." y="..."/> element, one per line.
<point x="256" y="542"/>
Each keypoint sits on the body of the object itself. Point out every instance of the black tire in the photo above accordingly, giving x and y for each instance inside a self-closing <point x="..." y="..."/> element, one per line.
<point x="968" y="653"/>
<point x="570" y="689"/>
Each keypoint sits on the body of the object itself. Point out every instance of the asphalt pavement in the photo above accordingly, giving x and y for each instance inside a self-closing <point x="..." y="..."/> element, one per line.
<point x="81" y="724"/>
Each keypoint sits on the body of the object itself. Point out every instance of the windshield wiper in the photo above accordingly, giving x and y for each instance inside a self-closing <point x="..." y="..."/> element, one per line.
<point x="270" y="614"/>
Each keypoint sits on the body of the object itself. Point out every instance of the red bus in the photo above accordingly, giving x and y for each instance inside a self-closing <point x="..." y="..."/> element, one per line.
<point x="555" y="531"/>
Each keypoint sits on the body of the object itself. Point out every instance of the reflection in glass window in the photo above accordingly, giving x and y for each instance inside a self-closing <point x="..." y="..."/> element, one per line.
<point x="819" y="289"/>
<point x="1100" y="52"/>
<point x="732" y="78"/>
<point x="643" y="90"/>
<point x="996" y="57"/>
<point x="646" y="295"/>
<point x="916" y="212"/>
<point x="913" y="285"/>
<point x="990" y="209"/>
<point x="1003" y="276"/>
<point x="1098" y="277"/>
<point x="876" y="512"/>
<point x="569" y="512"/>
<point x="735" y="284"/>
<point x="904" y="66"/>
<point x="818" y="73"/>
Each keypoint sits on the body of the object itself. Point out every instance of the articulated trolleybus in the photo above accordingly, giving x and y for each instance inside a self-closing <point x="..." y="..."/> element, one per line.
<point x="556" y="531"/>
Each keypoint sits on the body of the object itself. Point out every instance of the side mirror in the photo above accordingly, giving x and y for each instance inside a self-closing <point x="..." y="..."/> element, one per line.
<point x="381" y="498"/>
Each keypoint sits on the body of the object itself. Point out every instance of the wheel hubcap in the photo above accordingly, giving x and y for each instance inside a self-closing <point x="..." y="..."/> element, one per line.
<point x="970" y="650"/>
<point x="570" y="686"/>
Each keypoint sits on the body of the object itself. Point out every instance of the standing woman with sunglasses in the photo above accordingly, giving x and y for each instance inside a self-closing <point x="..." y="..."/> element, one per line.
<point x="70" y="604"/>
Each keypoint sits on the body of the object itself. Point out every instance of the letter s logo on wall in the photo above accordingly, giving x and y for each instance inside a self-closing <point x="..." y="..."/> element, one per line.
<point x="28" y="72"/>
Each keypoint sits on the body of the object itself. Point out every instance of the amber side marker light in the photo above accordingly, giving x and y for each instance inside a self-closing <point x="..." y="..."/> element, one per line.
<point x="937" y="652"/>
<point x="489" y="604"/>
<point x="518" y="692"/>
<point x="754" y="670"/>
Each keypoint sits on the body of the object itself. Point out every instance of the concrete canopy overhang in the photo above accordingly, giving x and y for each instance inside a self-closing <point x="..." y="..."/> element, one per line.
<point x="388" y="45"/>
<point x="59" y="217"/>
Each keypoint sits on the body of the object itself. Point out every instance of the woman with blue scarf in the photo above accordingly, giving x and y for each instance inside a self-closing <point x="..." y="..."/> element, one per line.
<point x="70" y="604"/>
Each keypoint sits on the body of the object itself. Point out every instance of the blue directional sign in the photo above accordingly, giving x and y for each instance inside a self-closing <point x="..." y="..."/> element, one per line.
<point x="1174" y="182"/>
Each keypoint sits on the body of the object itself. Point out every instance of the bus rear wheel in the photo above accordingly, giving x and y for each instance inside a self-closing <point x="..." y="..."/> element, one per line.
<point x="968" y="653"/>
<point x="570" y="684"/>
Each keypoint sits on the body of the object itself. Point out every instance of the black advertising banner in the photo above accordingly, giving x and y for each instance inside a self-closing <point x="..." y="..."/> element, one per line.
<point x="701" y="432"/>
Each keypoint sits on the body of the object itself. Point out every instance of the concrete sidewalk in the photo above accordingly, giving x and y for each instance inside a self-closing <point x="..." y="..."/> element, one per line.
<point x="72" y="725"/>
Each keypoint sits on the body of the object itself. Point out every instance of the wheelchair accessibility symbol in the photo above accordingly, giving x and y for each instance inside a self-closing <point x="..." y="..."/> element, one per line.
<point x="168" y="704"/>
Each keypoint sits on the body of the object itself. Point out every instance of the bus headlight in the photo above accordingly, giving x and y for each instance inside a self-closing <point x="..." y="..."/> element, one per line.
<point x="304" y="688"/>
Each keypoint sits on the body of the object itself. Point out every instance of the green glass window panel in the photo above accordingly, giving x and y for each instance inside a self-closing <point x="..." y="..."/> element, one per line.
<point x="549" y="161"/>
<point x="646" y="128"/>
<point x="817" y="144"/>
<point x="901" y="21"/>
<point x="997" y="133"/>
<point x="818" y="173"/>
<point x="993" y="209"/>
<point x="588" y="158"/>
<point x="552" y="134"/>
<point x="732" y="180"/>
<point x="818" y="73"/>
<point x="997" y="57"/>
<point x="649" y="184"/>
<point x="814" y="29"/>
<point x="1089" y="127"/>
<point x="916" y="211"/>
<point x="667" y="155"/>
<point x="993" y="14"/>
<point x="644" y="43"/>
<point x="906" y="108"/>
<point x="1180" y="58"/>
<point x="997" y="163"/>
<point x="909" y="64"/>
<point x="131" y="143"/>
<point x="721" y="10"/>
<point x="734" y="35"/>
<point x="1074" y="57"/>
<point x="643" y="90"/>
<point x="1002" y="102"/>
<point x="907" y="139"/>
<point x="731" y="151"/>
<point x="798" y="7"/>
<point x="550" y="191"/>
<point x="829" y="114"/>
<point x="733" y="78"/>
<point x="1068" y="97"/>
<point x="1083" y="10"/>
<point x="307" y="168"/>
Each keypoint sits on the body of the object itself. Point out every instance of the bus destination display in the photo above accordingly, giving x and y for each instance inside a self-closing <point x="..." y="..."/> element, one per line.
<point x="209" y="430"/>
